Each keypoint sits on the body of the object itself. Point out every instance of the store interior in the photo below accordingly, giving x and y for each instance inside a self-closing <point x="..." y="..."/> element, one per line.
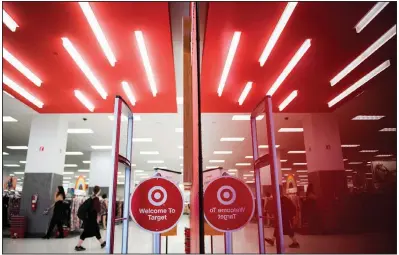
<point x="366" y="118"/>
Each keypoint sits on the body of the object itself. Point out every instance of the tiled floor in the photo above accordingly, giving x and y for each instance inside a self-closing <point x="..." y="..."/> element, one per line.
<point x="244" y="241"/>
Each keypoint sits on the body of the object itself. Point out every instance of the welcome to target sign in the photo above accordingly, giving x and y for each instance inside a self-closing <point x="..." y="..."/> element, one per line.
<point x="156" y="204"/>
<point x="228" y="204"/>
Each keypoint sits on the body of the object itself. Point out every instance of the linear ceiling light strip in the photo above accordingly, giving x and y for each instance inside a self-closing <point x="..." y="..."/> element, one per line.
<point x="98" y="32"/>
<point x="128" y="92"/>
<point x="288" y="100"/>
<point x="365" y="54"/>
<point x="289" y="9"/>
<point x="21" y="67"/>
<point x="229" y="61"/>
<point x="84" y="67"/>
<point x="293" y="62"/>
<point x="359" y="83"/>
<point x="146" y="62"/>
<point x="14" y="86"/>
<point x="9" y="22"/>
<point x="245" y="92"/>
<point x="370" y="15"/>
<point x="83" y="99"/>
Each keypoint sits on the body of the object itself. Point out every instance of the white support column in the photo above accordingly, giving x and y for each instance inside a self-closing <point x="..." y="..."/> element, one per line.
<point x="101" y="170"/>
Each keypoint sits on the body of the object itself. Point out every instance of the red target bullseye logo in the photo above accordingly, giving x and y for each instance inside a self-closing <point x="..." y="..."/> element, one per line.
<point x="157" y="196"/>
<point x="226" y="195"/>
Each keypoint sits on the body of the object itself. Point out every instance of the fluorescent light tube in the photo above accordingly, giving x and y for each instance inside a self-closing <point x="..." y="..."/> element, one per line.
<point x="288" y="100"/>
<point x="17" y="147"/>
<point x="232" y="170"/>
<point x="348" y="170"/>
<point x="14" y="86"/>
<point x="350" y="145"/>
<point x="79" y="131"/>
<point x="21" y="67"/>
<point x="293" y="62"/>
<point x="383" y="155"/>
<point x="289" y="9"/>
<point x="388" y="130"/>
<point x="66" y="173"/>
<point x="101" y="147"/>
<point x="288" y="130"/>
<point x="19" y="172"/>
<point x="155" y="161"/>
<point x="128" y="92"/>
<point x="286" y="169"/>
<point x="70" y="165"/>
<point x="263" y="146"/>
<point x="67" y="178"/>
<point x="370" y="15"/>
<point x="70" y="153"/>
<point x="243" y="164"/>
<point x="84" y="170"/>
<point x="84" y="67"/>
<point x="216" y="161"/>
<point x="302" y="171"/>
<point x="9" y="119"/>
<point x="245" y="92"/>
<point x="5" y="153"/>
<point x="283" y="160"/>
<point x="146" y="61"/>
<point x="142" y="140"/>
<point x="296" y="152"/>
<point x="299" y="164"/>
<point x="368" y="151"/>
<point x="222" y="152"/>
<point x="364" y="55"/>
<point x="368" y="117"/>
<point x="149" y="152"/>
<point x="9" y="22"/>
<point x="95" y="26"/>
<point x="355" y="163"/>
<point x="232" y="139"/>
<point x="246" y="117"/>
<point x="249" y="157"/>
<point x="83" y="99"/>
<point x="229" y="61"/>
<point x="360" y="83"/>
<point x="248" y="175"/>
<point x="11" y="165"/>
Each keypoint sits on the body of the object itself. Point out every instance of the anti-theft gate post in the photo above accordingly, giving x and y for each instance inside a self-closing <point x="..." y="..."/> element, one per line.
<point x="265" y="107"/>
<point x="126" y="161"/>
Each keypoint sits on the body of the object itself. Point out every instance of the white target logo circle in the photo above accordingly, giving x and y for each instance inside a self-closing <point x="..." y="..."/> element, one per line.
<point x="226" y="195"/>
<point x="155" y="192"/>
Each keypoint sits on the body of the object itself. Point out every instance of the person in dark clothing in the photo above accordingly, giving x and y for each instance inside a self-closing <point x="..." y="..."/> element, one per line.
<point x="288" y="212"/>
<point x="91" y="224"/>
<point x="58" y="214"/>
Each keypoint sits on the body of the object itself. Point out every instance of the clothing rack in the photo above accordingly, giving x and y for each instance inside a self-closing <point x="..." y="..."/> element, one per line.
<point x="11" y="205"/>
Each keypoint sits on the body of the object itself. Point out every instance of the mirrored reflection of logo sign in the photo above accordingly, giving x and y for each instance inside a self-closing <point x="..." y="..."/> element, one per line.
<point x="157" y="196"/>
<point x="226" y="195"/>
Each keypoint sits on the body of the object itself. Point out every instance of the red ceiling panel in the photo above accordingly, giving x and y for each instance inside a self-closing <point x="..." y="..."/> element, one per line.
<point x="335" y="43"/>
<point x="37" y="43"/>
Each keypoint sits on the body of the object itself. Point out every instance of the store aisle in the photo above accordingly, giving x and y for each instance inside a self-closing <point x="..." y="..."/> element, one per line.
<point x="245" y="241"/>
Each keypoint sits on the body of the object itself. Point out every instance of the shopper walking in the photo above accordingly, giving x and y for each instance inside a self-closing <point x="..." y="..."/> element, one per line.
<point x="91" y="220"/>
<point x="104" y="210"/>
<point x="268" y="208"/>
<point x="288" y="213"/>
<point x="58" y="214"/>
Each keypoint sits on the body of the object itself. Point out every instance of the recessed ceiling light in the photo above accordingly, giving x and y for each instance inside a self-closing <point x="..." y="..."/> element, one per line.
<point x="288" y="130"/>
<point x="155" y="161"/>
<point x="296" y="152"/>
<point x="299" y="164"/>
<point x="179" y="130"/>
<point x="146" y="61"/>
<point x="243" y="164"/>
<point x="355" y="163"/>
<point x="293" y="62"/>
<point x="302" y="171"/>
<point x="263" y="146"/>
<point x="70" y="165"/>
<point x="245" y="92"/>
<point x="142" y="140"/>
<point x="283" y="160"/>
<point x="8" y="94"/>
<point x="289" y="9"/>
<point x="383" y="155"/>
<point x="388" y="130"/>
<point x="101" y="147"/>
<point x="19" y="173"/>
<point x="22" y="162"/>
<point x="11" y="165"/>
<point x="222" y="152"/>
<point x="286" y="169"/>
<point x="21" y="67"/>
<point x="232" y="170"/>
<point x="368" y="117"/>
<point x="9" y="22"/>
<point x="84" y="170"/>
<point x="211" y="167"/>
<point x="95" y="26"/>
<point x="66" y="173"/>
<point x="9" y="119"/>
<point x="229" y="61"/>
<point x="128" y="92"/>
<point x="246" y="117"/>
<point x="249" y="157"/>
<point x="149" y="152"/>
<point x="86" y="161"/>
<point x="350" y="145"/>
<point x="232" y="139"/>
<point x="364" y="55"/>
<point x="80" y="131"/>
<point x="216" y="161"/>
<point x="372" y="151"/>
<point x="359" y="83"/>
<point x="83" y="99"/>
<point x="5" y="153"/>
<point x="84" y="67"/>
<point x="74" y="153"/>
<point x="17" y="147"/>
<point x="25" y="94"/>
<point x="288" y="100"/>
